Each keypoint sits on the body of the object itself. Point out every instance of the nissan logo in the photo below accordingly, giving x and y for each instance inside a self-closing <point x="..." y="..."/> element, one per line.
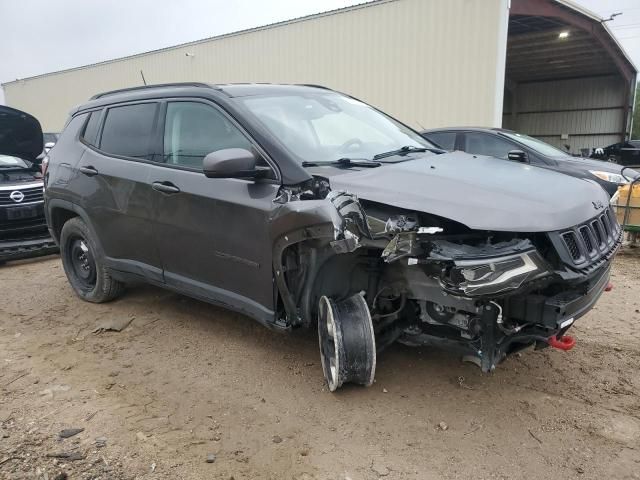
<point x="17" y="196"/>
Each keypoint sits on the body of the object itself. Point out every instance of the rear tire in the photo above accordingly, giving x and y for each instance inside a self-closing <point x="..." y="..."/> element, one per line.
<point x="85" y="270"/>
<point x="347" y="342"/>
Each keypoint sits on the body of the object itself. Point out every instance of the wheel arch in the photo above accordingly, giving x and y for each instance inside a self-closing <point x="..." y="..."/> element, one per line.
<point x="61" y="211"/>
<point x="317" y="229"/>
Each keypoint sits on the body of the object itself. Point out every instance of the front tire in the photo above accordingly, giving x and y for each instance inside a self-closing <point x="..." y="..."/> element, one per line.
<point x="85" y="270"/>
<point x="347" y="342"/>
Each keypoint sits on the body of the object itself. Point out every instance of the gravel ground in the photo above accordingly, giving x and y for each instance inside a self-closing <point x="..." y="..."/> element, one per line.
<point x="191" y="391"/>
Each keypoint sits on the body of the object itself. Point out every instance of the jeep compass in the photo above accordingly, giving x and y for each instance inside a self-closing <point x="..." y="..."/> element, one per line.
<point x="299" y="206"/>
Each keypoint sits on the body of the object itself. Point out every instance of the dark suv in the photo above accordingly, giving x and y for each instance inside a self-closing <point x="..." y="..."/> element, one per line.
<point x="510" y="145"/>
<point x="23" y="229"/>
<point x="302" y="207"/>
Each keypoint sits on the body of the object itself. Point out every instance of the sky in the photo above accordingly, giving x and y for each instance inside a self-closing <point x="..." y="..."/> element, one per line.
<point x="41" y="36"/>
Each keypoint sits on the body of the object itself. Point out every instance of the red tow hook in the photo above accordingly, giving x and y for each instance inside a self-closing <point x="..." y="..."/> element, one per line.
<point x="566" y="342"/>
<point x="609" y="287"/>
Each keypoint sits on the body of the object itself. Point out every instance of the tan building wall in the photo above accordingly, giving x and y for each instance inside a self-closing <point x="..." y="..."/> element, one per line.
<point x="428" y="62"/>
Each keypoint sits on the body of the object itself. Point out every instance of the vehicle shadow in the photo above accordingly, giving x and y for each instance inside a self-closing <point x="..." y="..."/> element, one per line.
<point x="590" y="373"/>
<point x="399" y="368"/>
<point x="27" y="261"/>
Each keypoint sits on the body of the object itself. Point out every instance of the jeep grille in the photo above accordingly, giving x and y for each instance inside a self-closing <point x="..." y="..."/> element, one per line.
<point x="588" y="245"/>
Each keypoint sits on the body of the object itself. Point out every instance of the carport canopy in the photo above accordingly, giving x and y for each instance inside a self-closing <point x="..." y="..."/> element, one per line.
<point x="567" y="80"/>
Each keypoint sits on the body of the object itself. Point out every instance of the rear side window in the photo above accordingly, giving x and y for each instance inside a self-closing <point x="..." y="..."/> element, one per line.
<point x="446" y="140"/>
<point x="128" y="130"/>
<point x="193" y="130"/>
<point x="90" y="134"/>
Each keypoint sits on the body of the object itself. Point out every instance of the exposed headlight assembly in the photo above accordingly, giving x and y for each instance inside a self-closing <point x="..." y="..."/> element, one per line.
<point x="609" y="177"/>
<point x="490" y="276"/>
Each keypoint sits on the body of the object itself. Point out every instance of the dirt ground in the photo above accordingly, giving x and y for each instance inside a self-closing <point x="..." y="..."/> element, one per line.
<point x="186" y="380"/>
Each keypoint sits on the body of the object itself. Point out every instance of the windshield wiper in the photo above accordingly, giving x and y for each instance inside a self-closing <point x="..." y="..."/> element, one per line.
<point x="406" y="150"/>
<point x="343" y="162"/>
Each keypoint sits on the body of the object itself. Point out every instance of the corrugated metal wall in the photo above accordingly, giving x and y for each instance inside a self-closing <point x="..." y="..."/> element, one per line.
<point x="589" y="110"/>
<point x="431" y="63"/>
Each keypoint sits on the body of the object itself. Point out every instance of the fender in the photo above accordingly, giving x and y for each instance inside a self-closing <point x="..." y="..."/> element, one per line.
<point x="52" y="204"/>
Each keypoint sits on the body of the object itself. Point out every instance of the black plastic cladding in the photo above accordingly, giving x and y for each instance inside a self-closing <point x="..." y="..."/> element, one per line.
<point x="585" y="245"/>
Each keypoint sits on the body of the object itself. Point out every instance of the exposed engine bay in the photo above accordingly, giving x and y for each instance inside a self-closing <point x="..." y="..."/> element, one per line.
<point x="372" y="274"/>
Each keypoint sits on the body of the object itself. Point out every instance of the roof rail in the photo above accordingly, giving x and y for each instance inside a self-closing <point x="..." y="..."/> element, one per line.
<point x="159" y="85"/>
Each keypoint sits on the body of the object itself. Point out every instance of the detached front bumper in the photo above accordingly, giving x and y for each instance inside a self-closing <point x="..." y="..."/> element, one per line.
<point x="544" y="319"/>
<point x="558" y="312"/>
<point x="27" y="248"/>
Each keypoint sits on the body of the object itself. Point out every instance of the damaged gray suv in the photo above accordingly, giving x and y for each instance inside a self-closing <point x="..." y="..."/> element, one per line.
<point x="303" y="207"/>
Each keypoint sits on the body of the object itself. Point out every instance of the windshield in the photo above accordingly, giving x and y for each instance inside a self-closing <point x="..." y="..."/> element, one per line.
<point x="12" y="162"/>
<point x="329" y="126"/>
<point x="535" y="144"/>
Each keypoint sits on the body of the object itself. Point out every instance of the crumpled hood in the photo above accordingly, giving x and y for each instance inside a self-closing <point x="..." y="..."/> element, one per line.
<point x="20" y="134"/>
<point x="483" y="193"/>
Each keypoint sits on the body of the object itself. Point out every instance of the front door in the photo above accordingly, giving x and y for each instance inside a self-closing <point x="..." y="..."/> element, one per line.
<point x="212" y="234"/>
<point x="479" y="143"/>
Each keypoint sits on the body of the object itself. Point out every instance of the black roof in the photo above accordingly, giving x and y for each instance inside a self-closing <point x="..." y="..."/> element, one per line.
<point x="230" y="89"/>
<point x="249" y="89"/>
<point x="146" y="87"/>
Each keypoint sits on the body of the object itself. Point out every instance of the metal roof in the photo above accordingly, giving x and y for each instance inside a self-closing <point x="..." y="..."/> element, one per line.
<point x="554" y="39"/>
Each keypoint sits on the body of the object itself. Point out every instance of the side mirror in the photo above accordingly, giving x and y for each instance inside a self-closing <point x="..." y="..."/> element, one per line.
<point x="517" y="156"/>
<point x="232" y="163"/>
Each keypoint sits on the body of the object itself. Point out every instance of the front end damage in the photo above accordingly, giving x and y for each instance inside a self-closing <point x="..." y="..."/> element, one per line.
<point x="421" y="279"/>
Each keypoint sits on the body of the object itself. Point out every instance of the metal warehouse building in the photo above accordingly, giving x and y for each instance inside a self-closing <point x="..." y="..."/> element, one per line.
<point x="544" y="67"/>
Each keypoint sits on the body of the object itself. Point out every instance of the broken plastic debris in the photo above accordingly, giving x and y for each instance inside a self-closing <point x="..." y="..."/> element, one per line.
<point x="400" y="223"/>
<point x="400" y="246"/>
<point x="114" y="325"/>
<point x="430" y="230"/>
<point x="70" y="456"/>
<point x="51" y="391"/>
<point x="348" y="244"/>
<point x="70" y="432"/>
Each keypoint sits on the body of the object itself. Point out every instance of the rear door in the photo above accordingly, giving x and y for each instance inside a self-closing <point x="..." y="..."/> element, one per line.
<point x="212" y="234"/>
<point x="112" y="182"/>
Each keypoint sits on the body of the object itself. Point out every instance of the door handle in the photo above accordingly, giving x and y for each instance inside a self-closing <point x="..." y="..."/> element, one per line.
<point x="89" y="171"/>
<point x="165" y="187"/>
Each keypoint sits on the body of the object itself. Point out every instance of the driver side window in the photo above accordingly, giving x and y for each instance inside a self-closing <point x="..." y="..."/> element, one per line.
<point x="192" y="130"/>
<point x="484" y="144"/>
